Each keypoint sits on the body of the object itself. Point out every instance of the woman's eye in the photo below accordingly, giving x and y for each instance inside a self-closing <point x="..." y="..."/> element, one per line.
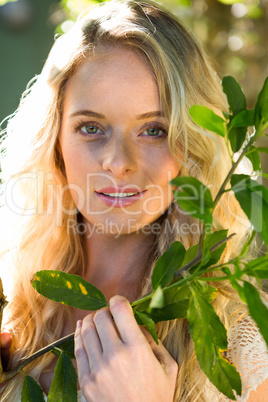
<point x="155" y="132"/>
<point x="90" y="129"/>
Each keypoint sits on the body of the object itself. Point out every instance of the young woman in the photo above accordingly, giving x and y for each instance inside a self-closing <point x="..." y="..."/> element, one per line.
<point x="90" y="154"/>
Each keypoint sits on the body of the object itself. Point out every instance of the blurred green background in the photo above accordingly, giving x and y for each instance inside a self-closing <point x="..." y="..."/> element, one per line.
<point x="234" y="33"/>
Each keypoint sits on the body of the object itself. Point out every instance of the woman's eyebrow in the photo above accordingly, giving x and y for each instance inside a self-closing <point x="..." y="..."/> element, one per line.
<point x="157" y="113"/>
<point x="90" y="113"/>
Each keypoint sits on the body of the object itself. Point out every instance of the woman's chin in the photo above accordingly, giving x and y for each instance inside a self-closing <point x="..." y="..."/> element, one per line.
<point x="117" y="227"/>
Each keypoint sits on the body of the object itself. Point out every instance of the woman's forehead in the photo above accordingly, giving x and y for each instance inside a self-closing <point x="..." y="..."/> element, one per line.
<point x="117" y="73"/>
<point x="114" y="58"/>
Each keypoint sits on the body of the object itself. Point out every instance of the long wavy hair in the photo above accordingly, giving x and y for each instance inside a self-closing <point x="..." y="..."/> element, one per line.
<point x="38" y="203"/>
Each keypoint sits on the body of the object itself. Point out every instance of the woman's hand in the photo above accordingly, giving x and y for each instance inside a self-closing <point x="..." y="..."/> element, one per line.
<point x="117" y="361"/>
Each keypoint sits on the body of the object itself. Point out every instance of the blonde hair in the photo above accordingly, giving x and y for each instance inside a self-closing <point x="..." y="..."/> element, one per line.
<point x="33" y="164"/>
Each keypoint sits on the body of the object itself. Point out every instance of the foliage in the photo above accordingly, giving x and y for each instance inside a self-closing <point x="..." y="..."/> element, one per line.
<point x="3" y="2"/>
<point x="180" y="281"/>
<point x="31" y="390"/>
<point x="234" y="33"/>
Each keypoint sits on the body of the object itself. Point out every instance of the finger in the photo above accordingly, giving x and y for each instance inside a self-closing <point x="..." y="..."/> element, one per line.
<point x="91" y="342"/>
<point x="161" y="353"/>
<point x="125" y="321"/>
<point x="80" y="353"/>
<point x="6" y="341"/>
<point x="147" y="335"/>
<point x="107" y="331"/>
<point x="164" y="357"/>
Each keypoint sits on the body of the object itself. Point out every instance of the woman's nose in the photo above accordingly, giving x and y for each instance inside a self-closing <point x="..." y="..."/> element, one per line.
<point x="119" y="157"/>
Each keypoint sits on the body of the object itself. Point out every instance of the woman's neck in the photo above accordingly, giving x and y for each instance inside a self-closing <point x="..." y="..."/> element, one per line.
<point x="117" y="264"/>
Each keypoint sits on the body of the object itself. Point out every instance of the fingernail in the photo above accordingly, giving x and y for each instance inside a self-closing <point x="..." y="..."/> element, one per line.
<point x="78" y="324"/>
<point x="115" y="299"/>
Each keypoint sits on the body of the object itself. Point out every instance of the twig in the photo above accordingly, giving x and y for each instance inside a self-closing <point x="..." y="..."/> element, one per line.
<point x="198" y="258"/>
<point x="231" y="171"/>
<point x="25" y="361"/>
<point x="186" y="267"/>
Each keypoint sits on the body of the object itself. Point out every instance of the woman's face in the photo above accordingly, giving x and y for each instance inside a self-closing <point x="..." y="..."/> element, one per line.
<point x="114" y="144"/>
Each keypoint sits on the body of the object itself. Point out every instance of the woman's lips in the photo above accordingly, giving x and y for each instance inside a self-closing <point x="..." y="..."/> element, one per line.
<point x="119" y="197"/>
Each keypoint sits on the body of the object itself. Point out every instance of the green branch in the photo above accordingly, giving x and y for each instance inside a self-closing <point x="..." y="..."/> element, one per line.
<point x="185" y="268"/>
<point x="25" y="361"/>
<point x="231" y="171"/>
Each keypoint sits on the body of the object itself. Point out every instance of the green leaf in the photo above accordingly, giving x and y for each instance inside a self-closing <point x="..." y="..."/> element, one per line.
<point x="64" y="384"/>
<point x="190" y="254"/>
<point x="208" y="292"/>
<point x="257" y="309"/>
<point x="262" y="149"/>
<point x="254" y="158"/>
<point x="201" y="311"/>
<point x="144" y="319"/>
<point x="242" y="118"/>
<point x="210" y="240"/>
<point x="207" y="119"/>
<point x="194" y="198"/>
<point x="68" y="289"/>
<point x="237" y="136"/>
<point x="31" y="391"/>
<point x="157" y="300"/>
<point x="235" y="95"/>
<point x="253" y="199"/>
<point x="171" y="295"/>
<point x="261" y="107"/>
<point x="176" y="303"/>
<point x="206" y="255"/>
<point x="210" y="340"/>
<point x="67" y="348"/>
<point x="170" y="311"/>
<point x="228" y="1"/>
<point x="247" y="244"/>
<point x="176" y="294"/>
<point x="245" y="118"/>
<point x="240" y="290"/>
<point x="167" y="265"/>
<point x="257" y="267"/>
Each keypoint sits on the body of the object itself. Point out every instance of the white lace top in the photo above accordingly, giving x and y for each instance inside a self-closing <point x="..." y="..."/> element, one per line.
<point x="248" y="352"/>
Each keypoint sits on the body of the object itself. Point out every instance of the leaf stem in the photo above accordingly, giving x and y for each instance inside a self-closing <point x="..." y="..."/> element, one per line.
<point x="198" y="258"/>
<point x="228" y="145"/>
<point x="231" y="171"/>
<point x="261" y="130"/>
<point x="5" y="376"/>
<point x="235" y="164"/>
<point x="201" y="240"/>
<point x="214" y="279"/>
